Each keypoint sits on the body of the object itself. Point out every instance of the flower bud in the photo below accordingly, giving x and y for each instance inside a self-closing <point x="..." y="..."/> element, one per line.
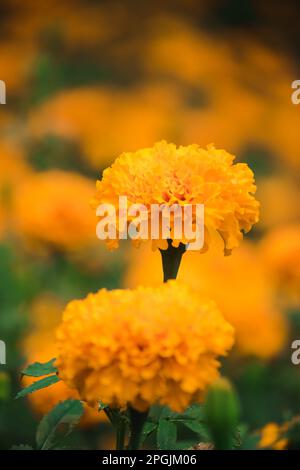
<point x="222" y="413"/>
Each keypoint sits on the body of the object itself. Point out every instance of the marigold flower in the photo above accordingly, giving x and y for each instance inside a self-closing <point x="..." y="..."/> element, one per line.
<point x="190" y="175"/>
<point x="39" y="345"/>
<point x="138" y="347"/>
<point x="240" y="286"/>
<point x="52" y="208"/>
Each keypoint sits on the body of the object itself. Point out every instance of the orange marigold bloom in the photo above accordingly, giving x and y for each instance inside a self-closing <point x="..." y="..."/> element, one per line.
<point x="52" y="208"/>
<point x="165" y="174"/>
<point x="39" y="345"/>
<point x="139" y="347"/>
<point x="281" y="253"/>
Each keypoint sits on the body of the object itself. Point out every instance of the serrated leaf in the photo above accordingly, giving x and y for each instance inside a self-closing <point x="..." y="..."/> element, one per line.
<point x="38" y="385"/>
<point x="197" y="427"/>
<point x="166" y="434"/>
<point x="66" y="413"/>
<point x="165" y="413"/>
<point x="21" y="447"/>
<point x="194" y="412"/>
<point x="38" y="369"/>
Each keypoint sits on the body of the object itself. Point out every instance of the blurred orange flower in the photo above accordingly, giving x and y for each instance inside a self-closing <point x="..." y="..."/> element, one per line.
<point x="52" y="208"/>
<point x="279" y="197"/>
<point x="105" y="120"/>
<point x="176" y="49"/>
<point x="280" y="251"/>
<point x="83" y="25"/>
<point x="271" y="436"/>
<point x="239" y="285"/>
<point x="15" y="65"/>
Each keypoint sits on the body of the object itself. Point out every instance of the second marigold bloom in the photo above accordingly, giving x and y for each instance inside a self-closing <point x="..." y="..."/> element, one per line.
<point x="165" y="174"/>
<point x="139" y="347"/>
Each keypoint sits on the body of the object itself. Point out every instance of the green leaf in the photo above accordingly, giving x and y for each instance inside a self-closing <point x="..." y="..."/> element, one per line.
<point x="21" y="447"/>
<point x="102" y="406"/>
<point x="38" y="385"/>
<point x="166" y="435"/>
<point x="66" y="413"/>
<point x="148" y="429"/>
<point x="197" y="427"/>
<point x="194" y="412"/>
<point x="38" y="369"/>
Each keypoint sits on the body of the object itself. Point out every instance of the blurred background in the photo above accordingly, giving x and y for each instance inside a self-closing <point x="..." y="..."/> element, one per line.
<point x="87" y="80"/>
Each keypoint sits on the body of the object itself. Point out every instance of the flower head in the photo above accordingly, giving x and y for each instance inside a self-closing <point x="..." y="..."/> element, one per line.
<point x="139" y="347"/>
<point x="165" y="174"/>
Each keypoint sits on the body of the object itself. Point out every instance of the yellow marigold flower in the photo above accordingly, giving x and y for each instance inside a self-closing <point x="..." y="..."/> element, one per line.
<point x="139" y="347"/>
<point x="281" y="254"/>
<point x="39" y="345"/>
<point x="271" y="436"/>
<point x="52" y="208"/>
<point x="165" y="174"/>
<point x="238" y="283"/>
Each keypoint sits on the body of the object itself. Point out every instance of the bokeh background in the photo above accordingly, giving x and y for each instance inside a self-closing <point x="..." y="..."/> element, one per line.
<point x="87" y="80"/>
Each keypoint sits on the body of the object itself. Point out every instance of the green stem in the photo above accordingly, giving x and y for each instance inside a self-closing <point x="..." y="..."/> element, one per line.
<point x="171" y="259"/>
<point x="137" y="421"/>
<point x="121" y="433"/>
<point x="118" y="420"/>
